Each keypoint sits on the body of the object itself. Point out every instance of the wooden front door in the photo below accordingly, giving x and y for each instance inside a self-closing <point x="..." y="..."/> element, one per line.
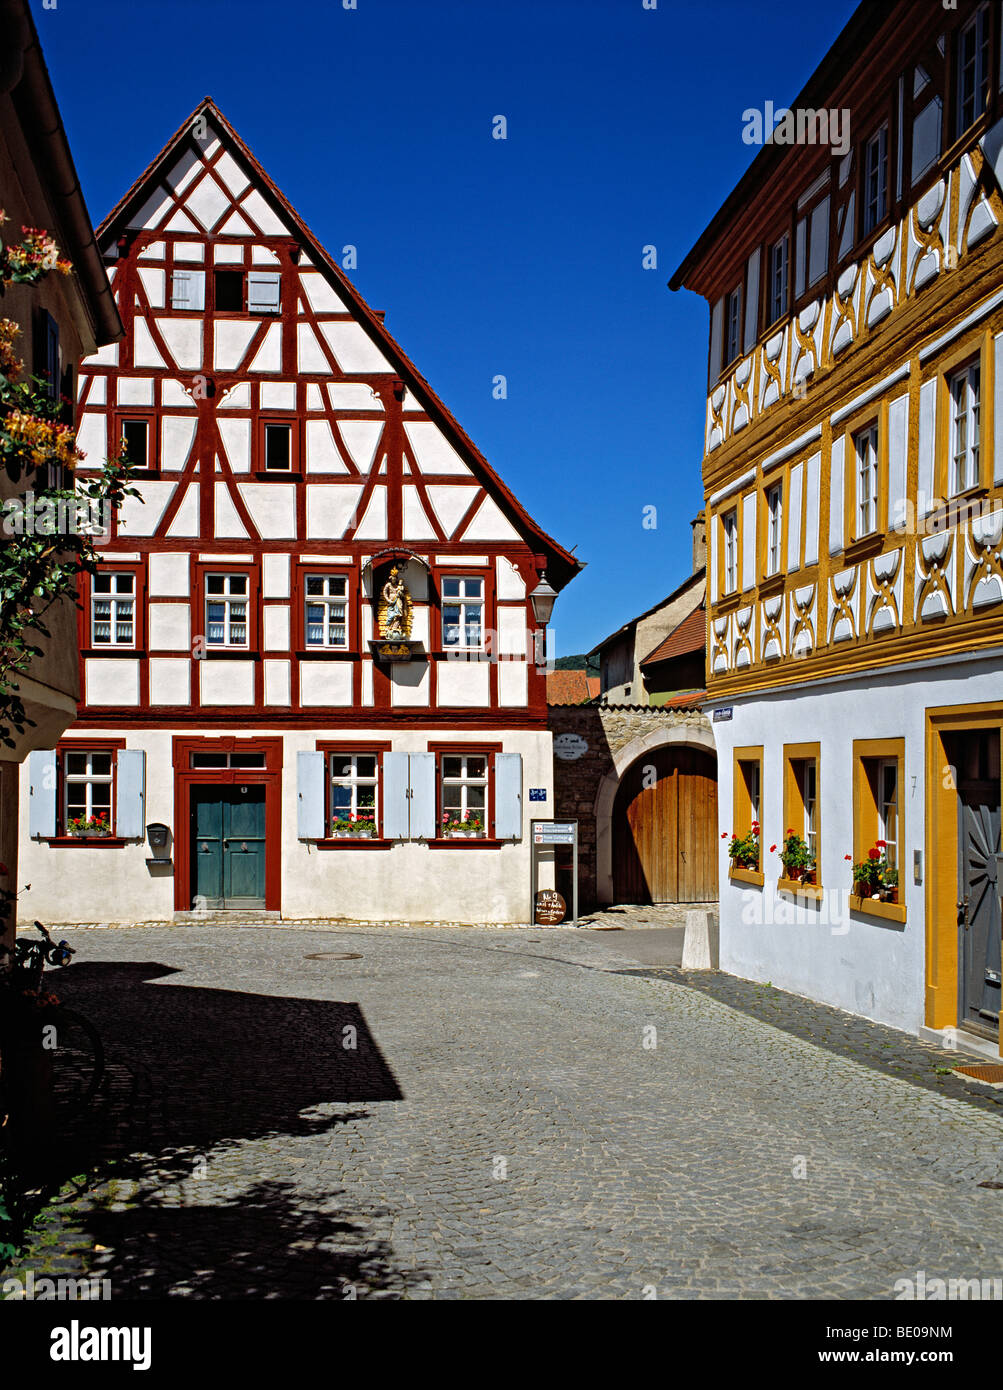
<point x="980" y="935"/>
<point x="665" y="829"/>
<point x="228" y="846"/>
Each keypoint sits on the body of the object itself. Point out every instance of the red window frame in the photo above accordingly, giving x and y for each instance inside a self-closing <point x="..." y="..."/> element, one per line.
<point x="489" y="619"/>
<point x="119" y="417"/>
<point x="86" y="624"/>
<point x="484" y="750"/>
<point x="295" y="469"/>
<point x="86" y="745"/>
<point x="300" y="570"/>
<point x="201" y="571"/>
<point x="349" y="748"/>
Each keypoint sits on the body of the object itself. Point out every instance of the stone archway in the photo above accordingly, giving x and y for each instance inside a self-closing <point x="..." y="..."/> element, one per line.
<point x="689" y="735"/>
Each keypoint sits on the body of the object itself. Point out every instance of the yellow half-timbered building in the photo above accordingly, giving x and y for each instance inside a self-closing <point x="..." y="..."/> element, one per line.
<point x="853" y="474"/>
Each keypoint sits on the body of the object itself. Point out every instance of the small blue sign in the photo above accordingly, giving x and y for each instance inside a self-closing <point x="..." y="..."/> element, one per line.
<point x="538" y="793"/>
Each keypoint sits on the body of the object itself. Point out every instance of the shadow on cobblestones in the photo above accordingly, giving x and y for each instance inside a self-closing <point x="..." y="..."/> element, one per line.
<point x="273" y="1241"/>
<point x="884" y="1049"/>
<point x="194" y="1073"/>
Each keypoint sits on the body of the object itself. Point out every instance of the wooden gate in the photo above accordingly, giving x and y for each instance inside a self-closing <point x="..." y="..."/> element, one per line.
<point x="665" y="828"/>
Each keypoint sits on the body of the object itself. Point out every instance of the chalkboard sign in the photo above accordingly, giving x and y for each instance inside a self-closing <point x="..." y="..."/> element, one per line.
<point x="550" y="908"/>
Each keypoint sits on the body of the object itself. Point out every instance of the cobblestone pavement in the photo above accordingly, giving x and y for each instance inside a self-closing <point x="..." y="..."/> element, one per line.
<point x="500" y="1129"/>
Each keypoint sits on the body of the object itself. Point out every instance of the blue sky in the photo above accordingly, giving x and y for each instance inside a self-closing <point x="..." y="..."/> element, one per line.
<point x="520" y="257"/>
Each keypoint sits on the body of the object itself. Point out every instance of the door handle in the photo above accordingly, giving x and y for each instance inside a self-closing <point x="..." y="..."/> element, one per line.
<point x="963" y="911"/>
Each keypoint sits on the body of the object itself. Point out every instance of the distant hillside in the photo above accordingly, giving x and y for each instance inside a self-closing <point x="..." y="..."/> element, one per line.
<point x="577" y="663"/>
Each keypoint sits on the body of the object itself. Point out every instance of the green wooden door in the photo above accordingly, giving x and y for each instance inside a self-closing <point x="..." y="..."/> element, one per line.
<point x="228" y="847"/>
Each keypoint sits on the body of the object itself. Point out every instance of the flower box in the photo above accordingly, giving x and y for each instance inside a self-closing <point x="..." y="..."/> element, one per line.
<point x="464" y="834"/>
<point x="89" y="834"/>
<point x="353" y="834"/>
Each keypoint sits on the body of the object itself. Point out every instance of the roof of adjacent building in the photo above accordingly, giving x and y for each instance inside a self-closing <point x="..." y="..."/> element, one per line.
<point x="627" y="627"/>
<point x="24" y="75"/>
<point x="689" y="636"/>
<point x="571" y="687"/>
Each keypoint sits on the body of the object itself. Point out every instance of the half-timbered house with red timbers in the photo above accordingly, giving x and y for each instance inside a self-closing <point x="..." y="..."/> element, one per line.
<point x="312" y="681"/>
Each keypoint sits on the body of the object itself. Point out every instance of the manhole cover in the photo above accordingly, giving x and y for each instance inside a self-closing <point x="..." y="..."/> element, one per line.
<point x="988" y="1073"/>
<point x="333" y="955"/>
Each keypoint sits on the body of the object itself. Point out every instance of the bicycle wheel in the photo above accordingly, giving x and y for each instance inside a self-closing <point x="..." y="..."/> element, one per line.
<point x="77" y="1056"/>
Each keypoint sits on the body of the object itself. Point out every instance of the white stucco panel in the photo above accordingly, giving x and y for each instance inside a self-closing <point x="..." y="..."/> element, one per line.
<point x="320" y="294"/>
<point x="92" y="439"/>
<point x="325" y="683"/>
<point x="226" y="682"/>
<point x="321" y="452"/>
<point x="510" y="583"/>
<point x="330" y="509"/>
<point x="431" y="449"/>
<point x="490" y="524"/>
<point x="170" y="681"/>
<point x="354" y="351"/>
<point x="137" y="519"/>
<point x="186" y="518"/>
<point x="361" y="438"/>
<point x="513" y="683"/>
<point x="373" y="526"/>
<point x="450" y="502"/>
<point x="417" y="526"/>
<point x="111" y="681"/>
<point x="228" y="522"/>
<point x="268" y="358"/>
<point x="170" y="628"/>
<point x="511" y="630"/>
<point x="464" y="683"/>
<point x="231" y="342"/>
<point x="275" y="619"/>
<point x="135" y="390"/>
<point x="183" y="338"/>
<point x="235" y="434"/>
<point x="277" y="683"/>
<point x="168" y="575"/>
<point x="409" y="684"/>
<point x="177" y="435"/>
<point x="275" y="576"/>
<point x="272" y="507"/>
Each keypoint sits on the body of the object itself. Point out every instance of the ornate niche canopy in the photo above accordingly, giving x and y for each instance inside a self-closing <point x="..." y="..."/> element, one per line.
<point x="392" y="606"/>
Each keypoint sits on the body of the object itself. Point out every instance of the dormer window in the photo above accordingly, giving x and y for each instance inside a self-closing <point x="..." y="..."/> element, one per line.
<point x="733" y="341"/>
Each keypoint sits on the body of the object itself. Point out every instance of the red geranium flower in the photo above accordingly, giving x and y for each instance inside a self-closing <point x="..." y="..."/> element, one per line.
<point x="773" y="849"/>
<point x="873" y="854"/>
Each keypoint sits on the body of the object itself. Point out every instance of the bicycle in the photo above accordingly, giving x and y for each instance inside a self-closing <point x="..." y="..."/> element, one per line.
<point x="33" y="1022"/>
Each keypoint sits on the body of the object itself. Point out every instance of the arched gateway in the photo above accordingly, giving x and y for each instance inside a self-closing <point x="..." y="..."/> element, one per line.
<point x="656" y="820"/>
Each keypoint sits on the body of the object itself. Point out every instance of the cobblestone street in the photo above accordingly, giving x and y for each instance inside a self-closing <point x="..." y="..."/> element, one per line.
<point x="501" y="1130"/>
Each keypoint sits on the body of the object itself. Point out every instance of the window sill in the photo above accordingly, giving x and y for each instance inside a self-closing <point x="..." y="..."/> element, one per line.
<point x="740" y="875"/>
<point x="113" y="649"/>
<point x="871" y="907"/>
<point x="797" y="889"/>
<point x="354" y="842"/>
<point x="772" y="584"/>
<point x="864" y="546"/>
<point x="950" y="507"/>
<point x="326" y="653"/>
<point x="475" y="842"/>
<point x="105" y="841"/>
<point x="728" y="601"/>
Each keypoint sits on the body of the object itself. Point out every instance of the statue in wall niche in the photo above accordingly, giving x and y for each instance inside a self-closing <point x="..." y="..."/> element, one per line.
<point x="394" y="613"/>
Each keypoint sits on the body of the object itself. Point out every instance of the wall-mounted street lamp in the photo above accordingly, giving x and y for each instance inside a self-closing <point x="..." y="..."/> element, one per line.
<point x="543" y="598"/>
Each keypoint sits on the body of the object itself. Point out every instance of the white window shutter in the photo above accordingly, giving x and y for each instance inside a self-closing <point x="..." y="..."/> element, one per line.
<point x="310" y="800"/>
<point x="508" y="796"/>
<point x="181" y="289"/>
<point x="197" y="289"/>
<point x="42" y="794"/>
<point x="422" y="779"/>
<point x="263" y="292"/>
<point x="395" y="796"/>
<point x="927" y="445"/>
<point x="130" y="809"/>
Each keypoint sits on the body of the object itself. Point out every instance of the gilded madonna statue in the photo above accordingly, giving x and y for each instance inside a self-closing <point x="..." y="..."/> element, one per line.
<point x="394" y="612"/>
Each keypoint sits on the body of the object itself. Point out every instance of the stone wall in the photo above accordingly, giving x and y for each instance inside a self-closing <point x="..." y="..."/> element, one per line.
<point x="606" y="730"/>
